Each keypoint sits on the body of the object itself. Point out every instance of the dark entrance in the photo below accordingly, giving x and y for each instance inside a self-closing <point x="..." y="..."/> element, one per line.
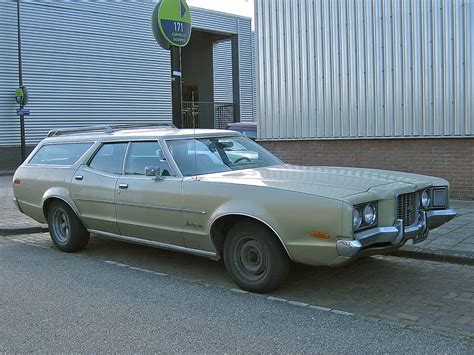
<point x="200" y="109"/>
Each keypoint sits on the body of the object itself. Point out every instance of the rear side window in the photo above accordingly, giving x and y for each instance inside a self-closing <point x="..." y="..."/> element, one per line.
<point x="60" y="154"/>
<point x="109" y="158"/>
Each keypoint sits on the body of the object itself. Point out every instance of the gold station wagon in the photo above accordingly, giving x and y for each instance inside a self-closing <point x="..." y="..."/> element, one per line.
<point x="218" y="194"/>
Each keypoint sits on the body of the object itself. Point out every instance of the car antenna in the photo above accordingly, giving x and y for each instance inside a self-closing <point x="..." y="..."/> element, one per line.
<point x="193" y="115"/>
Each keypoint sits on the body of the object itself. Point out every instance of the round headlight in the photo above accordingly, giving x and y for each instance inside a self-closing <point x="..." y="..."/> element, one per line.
<point x="425" y="199"/>
<point x="370" y="214"/>
<point x="356" y="218"/>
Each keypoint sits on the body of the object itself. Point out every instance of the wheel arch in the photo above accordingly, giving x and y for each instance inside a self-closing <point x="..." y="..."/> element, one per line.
<point x="57" y="195"/>
<point x="222" y="224"/>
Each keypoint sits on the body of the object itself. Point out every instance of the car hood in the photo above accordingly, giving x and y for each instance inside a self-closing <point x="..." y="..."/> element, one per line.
<point x="333" y="182"/>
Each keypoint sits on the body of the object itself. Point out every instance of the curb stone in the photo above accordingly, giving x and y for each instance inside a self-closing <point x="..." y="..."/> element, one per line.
<point x="22" y="230"/>
<point x="445" y="256"/>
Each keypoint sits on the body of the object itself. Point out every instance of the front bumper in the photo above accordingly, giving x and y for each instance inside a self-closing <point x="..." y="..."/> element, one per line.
<point x="395" y="235"/>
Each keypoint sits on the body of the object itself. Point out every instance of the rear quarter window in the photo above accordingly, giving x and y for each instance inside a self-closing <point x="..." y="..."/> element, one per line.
<point x="60" y="154"/>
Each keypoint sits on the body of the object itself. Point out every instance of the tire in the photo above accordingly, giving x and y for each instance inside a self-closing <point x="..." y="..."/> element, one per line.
<point x="255" y="258"/>
<point x="66" y="230"/>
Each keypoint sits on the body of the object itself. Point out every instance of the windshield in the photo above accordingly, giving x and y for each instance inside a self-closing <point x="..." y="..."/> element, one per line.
<point x="218" y="154"/>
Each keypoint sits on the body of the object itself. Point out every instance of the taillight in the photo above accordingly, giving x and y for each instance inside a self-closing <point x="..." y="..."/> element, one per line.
<point x="17" y="181"/>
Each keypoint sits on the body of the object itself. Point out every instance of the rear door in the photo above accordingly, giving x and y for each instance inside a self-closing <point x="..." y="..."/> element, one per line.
<point x="93" y="187"/>
<point x="149" y="208"/>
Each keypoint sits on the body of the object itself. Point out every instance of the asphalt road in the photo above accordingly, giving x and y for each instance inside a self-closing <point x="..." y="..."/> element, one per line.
<point x="56" y="302"/>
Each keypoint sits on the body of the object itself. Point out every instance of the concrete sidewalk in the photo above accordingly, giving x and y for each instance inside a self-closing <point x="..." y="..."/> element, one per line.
<point x="453" y="242"/>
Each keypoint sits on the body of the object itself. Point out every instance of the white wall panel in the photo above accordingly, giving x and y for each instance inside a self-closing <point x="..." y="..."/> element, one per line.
<point x="223" y="71"/>
<point x="364" y="68"/>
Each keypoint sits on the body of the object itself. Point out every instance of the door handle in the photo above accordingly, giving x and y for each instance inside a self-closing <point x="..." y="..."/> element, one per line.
<point x="123" y="186"/>
<point x="78" y="177"/>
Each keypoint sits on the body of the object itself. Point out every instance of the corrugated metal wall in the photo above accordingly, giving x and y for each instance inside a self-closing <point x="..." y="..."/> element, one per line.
<point x="222" y="63"/>
<point x="246" y="72"/>
<point x="365" y="68"/>
<point x="254" y="77"/>
<point x="93" y="62"/>
<point x="9" y="123"/>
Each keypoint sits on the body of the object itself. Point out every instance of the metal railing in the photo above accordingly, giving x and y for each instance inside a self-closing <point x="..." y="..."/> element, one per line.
<point x="207" y="114"/>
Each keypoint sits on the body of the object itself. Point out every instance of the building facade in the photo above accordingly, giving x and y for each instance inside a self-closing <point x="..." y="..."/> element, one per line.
<point x="369" y="83"/>
<point x="96" y="62"/>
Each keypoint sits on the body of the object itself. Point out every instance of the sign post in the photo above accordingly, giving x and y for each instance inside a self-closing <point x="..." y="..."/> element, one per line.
<point x="171" y="26"/>
<point x="21" y="94"/>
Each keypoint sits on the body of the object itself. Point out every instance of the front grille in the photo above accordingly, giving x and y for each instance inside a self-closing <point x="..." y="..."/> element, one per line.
<point x="406" y="209"/>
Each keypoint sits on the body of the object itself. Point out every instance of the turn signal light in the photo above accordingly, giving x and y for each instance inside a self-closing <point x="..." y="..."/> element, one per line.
<point x="320" y="235"/>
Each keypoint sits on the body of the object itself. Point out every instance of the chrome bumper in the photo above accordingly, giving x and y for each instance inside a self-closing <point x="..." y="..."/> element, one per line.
<point x="395" y="235"/>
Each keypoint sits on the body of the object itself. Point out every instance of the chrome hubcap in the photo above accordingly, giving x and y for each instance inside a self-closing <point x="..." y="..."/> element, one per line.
<point x="251" y="258"/>
<point x="61" y="226"/>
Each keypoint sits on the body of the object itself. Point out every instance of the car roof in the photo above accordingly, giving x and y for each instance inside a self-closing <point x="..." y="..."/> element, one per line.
<point x="140" y="134"/>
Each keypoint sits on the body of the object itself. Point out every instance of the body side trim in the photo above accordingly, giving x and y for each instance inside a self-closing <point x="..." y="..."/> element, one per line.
<point x="93" y="200"/>
<point x="154" y="244"/>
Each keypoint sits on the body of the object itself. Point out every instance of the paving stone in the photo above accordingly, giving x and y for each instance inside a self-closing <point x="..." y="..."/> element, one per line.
<point x="469" y="240"/>
<point x="464" y="247"/>
<point x="464" y="320"/>
<point x="407" y="316"/>
<point x="445" y="242"/>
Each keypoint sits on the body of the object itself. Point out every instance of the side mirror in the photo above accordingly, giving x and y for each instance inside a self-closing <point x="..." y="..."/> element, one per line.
<point x="153" y="171"/>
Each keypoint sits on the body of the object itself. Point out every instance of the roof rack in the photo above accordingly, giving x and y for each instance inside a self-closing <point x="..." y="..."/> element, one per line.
<point x="107" y="128"/>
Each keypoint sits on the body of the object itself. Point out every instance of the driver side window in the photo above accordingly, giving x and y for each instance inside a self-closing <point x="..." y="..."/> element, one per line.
<point x="146" y="154"/>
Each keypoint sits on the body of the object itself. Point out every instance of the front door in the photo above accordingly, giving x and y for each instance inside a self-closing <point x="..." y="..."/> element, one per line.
<point x="93" y="187"/>
<point x="149" y="208"/>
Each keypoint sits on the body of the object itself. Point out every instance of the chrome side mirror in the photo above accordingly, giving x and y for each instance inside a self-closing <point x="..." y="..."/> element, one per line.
<point x="153" y="171"/>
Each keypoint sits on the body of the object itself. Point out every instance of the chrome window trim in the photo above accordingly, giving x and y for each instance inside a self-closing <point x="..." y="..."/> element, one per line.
<point x="125" y="158"/>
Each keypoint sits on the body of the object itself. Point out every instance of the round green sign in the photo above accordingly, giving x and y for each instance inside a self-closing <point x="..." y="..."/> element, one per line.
<point x="171" y="23"/>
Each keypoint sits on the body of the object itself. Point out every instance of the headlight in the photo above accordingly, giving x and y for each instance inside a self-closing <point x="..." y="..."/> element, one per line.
<point x="425" y="199"/>
<point x="356" y="218"/>
<point x="370" y="214"/>
<point x="439" y="197"/>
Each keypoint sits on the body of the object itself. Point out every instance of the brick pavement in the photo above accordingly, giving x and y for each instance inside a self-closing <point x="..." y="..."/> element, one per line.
<point x="453" y="238"/>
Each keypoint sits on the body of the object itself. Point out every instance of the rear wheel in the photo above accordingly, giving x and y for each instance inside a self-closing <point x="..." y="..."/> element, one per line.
<point x="255" y="258"/>
<point x="67" y="231"/>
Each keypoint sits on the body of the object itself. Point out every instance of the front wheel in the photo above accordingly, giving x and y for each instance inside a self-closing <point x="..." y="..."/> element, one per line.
<point x="254" y="258"/>
<point x="67" y="231"/>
